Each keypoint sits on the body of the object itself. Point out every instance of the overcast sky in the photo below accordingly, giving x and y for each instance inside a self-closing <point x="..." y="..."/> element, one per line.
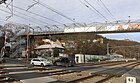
<point x="73" y="11"/>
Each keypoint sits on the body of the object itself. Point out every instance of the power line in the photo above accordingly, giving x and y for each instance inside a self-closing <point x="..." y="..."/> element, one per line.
<point x="3" y="20"/>
<point x="8" y="21"/>
<point x="20" y="16"/>
<point x="53" y="10"/>
<point x="90" y="9"/>
<point x="31" y="6"/>
<point x="32" y="13"/>
<point x="125" y="34"/>
<point x="56" y="11"/>
<point x="30" y="17"/>
<point x="99" y="12"/>
<point x="36" y="14"/>
<point x="129" y="36"/>
<point x="96" y="10"/>
<point x="11" y="9"/>
<point x="107" y="9"/>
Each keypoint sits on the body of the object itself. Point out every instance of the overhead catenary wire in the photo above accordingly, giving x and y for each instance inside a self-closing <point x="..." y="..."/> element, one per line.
<point x="93" y="9"/>
<point x="57" y="12"/>
<point x="107" y="9"/>
<point x="94" y="12"/>
<point x="34" y="14"/>
<point x="28" y="19"/>
<point x="20" y="17"/>
<point x="31" y="17"/>
<point x="99" y="13"/>
<point x="53" y="10"/>
<point x="129" y="21"/>
<point x="129" y="37"/>
<point x="11" y="9"/>
<point x="8" y="21"/>
<point x="90" y="9"/>
<point x="29" y="7"/>
<point x="3" y="20"/>
<point x="37" y="14"/>
<point x="125" y="34"/>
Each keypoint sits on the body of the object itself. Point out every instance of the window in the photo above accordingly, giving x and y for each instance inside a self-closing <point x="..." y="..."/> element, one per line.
<point x="36" y="60"/>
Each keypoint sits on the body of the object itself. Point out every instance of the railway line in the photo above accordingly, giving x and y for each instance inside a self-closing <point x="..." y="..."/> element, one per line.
<point x="67" y="74"/>
<point x="105" y="75"/>
<point x="7" y="72"/>
<point x="104" y="63"/>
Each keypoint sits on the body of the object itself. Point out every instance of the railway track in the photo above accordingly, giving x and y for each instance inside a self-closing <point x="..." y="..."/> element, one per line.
<point x="119" y="73"/>
<point x="69" y="71"/>
<point x="60" y="72"/>
<point x="105" y="75"/>
<point x="64" y="72"/>
<point x="41" y="70"/>
<point x="8" y="80"/>
<point x="53" y="71"/>
<point x="4" y="71"/>
<point x="104" y="63"/>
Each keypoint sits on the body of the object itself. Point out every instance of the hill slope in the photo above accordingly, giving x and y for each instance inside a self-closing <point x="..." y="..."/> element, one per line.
<point x="96" y="44"/>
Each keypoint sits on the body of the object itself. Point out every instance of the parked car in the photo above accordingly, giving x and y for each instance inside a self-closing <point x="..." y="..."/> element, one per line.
<point x="64" y="61"/>
<point x="40" y="61"/>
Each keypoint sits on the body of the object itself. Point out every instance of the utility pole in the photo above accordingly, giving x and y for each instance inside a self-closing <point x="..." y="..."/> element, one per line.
<point x="27" y="50"/>
<point x="107" y="49"/>
<point x="84" y="50"/>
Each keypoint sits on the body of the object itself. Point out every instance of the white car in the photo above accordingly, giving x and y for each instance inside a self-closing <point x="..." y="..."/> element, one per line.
<point x="40" y="61"/>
